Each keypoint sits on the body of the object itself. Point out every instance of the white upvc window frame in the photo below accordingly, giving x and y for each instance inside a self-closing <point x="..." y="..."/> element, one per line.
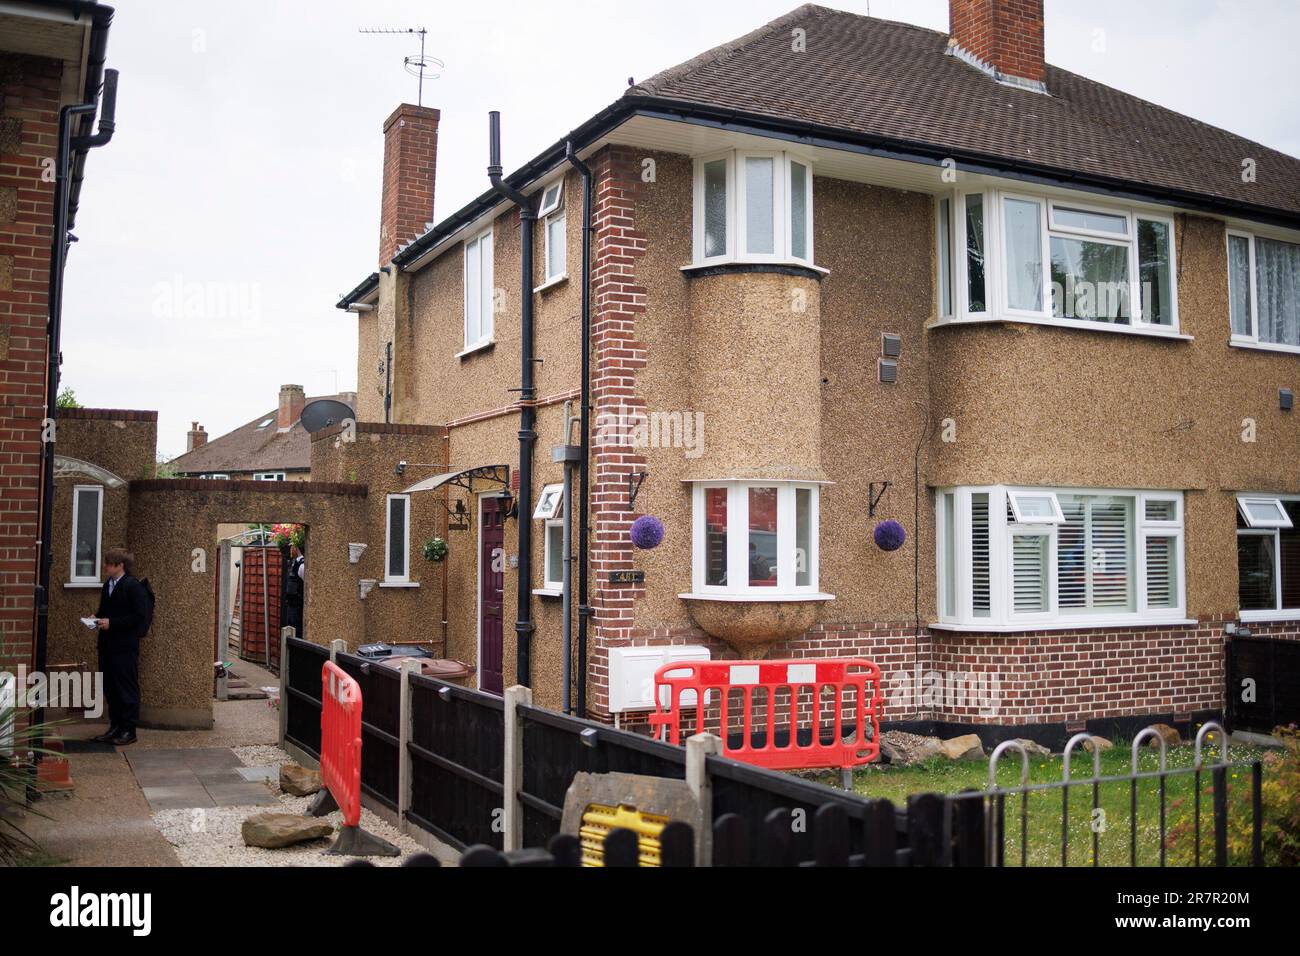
<point x="269" y="476"/>
<point x="738" y="542"/>
<point x="1277" y="612"/>
<point x="737" y="250"/>
<point x="1253" y="340"/>
<point x="487" y="320"/>
<point x="552" y="211"/>
<point x="552" y="199"/>
<point x="93" y="577"/>
<point x="550" y="503"/>
<point x="1243" y="508"/>
<point x="1057" y="517"/>
<point x="389" y="576"/>
<point x="1002" y="614"/>
<point x="547" y="527"/>
<point x="996" y="260"/>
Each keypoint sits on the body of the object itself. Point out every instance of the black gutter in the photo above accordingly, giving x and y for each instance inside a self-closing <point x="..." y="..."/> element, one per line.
<point x="584" y="610"/>
<point x="830" y="137"/>
<point x="71" y="157"/>
<point x="527" y="404"/>
<point x="368" y="287"/>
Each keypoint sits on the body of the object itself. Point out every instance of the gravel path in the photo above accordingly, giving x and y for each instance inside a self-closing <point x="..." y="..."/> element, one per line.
<point x="211" y="836"/>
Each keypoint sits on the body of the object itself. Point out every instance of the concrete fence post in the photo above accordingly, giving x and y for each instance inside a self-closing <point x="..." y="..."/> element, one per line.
<point x="285" y="634"/>
<point x="513" y="768"/>
<point x="337" y="647"/>
<point x="698" y="748"/>
<point x="405" y="731"/>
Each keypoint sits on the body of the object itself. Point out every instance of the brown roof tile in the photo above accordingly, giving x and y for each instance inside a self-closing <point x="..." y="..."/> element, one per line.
<point x="252" y="449"/>
<point x="882" y="78"/>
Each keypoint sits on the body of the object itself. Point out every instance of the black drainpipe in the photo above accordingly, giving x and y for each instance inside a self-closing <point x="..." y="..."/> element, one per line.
<point x="584" y="611"/>
<point x="527" y="404"/>
<point x="69" y="147"/>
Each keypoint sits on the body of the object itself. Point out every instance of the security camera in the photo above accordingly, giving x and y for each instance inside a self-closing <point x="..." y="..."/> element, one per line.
<point x="401" y="468"/>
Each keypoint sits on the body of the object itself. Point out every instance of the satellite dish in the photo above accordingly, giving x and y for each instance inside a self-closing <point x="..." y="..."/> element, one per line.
<point x="322" y="414"/>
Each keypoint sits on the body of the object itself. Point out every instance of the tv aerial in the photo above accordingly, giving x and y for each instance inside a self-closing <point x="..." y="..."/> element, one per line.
<point x="417" y="65"/>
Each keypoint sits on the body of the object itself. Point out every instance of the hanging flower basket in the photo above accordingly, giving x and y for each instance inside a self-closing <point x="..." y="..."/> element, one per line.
<point x="890" y="536"/>
<point x="647" y="532"/>
<point x="435" y="549"/>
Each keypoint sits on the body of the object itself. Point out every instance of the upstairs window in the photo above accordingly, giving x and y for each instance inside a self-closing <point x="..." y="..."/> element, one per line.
<point x="1268" y="557"/>
<point x="756" y="540"/>
<point x="1030" y="257"/>
<point x="1264" y="291"/>
<point x="478" y="291"/>
<point x="1010" y="557"/>
<point x="753" y="207"/>
<point x="555" y="237"/>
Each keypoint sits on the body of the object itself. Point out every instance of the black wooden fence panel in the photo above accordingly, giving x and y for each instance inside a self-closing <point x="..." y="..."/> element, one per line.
<point x="555" y="750"/>
<point x="381" y="701"/>
<point x="1274" y="667"/>
<point x="456" y="749"/>
<point x="301" y="695"/>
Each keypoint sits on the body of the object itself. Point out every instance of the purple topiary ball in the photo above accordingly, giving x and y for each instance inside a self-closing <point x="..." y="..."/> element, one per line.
<point x="890" y="536"/>
<point x="647" y="532"/>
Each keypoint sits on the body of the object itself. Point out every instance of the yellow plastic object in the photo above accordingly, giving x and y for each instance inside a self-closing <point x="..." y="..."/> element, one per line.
<point x="598" y="821"/>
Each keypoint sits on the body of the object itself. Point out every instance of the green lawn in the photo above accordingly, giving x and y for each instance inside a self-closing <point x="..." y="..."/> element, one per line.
<point x="1044" y="808"/>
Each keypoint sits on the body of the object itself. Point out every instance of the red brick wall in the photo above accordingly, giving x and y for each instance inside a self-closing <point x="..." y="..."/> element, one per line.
<point x="1006" y="34"/>
<point x="29" y="105"/>
<point x="410" y="162"/>
<point x="616" y="356"/>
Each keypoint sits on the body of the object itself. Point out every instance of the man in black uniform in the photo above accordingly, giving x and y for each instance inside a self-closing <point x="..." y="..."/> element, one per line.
<point x="122" y="619"/>
<point x="293" y="591"/>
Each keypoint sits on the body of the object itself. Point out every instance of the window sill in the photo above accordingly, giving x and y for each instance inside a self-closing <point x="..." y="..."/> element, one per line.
<point x="1263" y="617"/>
<point x="1085" y="624"/>
<point x="1143" y="331"/>
<point x="1264" y="346"/>
<point x="552" y="283"/>
<point x="548" y="592"/>
<point x="742" y="266"/>
<point x="759" y="597"/>
<point x="83" y="585"/>
<point x="399" y="585"/>
<point x="474" y="349"/>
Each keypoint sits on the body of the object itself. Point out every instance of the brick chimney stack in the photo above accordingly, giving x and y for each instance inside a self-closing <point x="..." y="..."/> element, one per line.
<point x="292" y="401"/>
<point x="1005" y="37"/>
<point x="410" y="162"/>
<point x="196" y="438"/>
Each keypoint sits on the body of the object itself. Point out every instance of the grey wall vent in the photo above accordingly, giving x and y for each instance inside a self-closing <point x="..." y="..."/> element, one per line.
<point x="1287" y="400"/>
<point x="891" y="346"/>
<point x="888" y="371"/>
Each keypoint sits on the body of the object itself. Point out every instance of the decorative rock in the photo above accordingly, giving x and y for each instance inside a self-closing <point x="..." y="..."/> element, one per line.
<point x="967" y="747"/>
<point x="274" y="831"/>
<point x="1169" y="735"/>
<point x="298" y="781"/>
<point x="903" y="749"/>
<point x="1033" y="748"/>
<point x="1100" y="743"/>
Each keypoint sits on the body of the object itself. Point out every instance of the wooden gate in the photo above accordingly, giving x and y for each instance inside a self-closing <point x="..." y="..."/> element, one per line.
<point x="260" y="593"/>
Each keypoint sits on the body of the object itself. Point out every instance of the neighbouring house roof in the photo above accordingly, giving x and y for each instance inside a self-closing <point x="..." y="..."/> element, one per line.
<point x="889" y="88"/>
<point x="252" y="448"/>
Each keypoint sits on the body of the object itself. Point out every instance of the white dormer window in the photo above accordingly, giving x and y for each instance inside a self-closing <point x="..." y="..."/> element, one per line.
<point x="753" y="207"/>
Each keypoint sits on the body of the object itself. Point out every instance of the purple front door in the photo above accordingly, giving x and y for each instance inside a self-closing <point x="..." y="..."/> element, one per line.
<point x="491" y="587"/>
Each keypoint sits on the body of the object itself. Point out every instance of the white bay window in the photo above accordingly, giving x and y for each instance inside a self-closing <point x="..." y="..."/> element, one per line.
<point x="1035" y="258"/>
<point x="755" y="540"/>
<point x="1024" y="558"/>
<point x="753" y="207"/>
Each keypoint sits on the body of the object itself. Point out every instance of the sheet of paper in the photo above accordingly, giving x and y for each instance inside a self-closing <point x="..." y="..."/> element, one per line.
<point x="90" y="622"/>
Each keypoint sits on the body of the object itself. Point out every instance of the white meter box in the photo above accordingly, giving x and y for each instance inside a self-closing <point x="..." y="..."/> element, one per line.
<point x="632" y="675"/>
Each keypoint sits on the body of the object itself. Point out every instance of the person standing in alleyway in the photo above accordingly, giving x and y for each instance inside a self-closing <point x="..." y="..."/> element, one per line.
<point x="294" y="589"/>
<point x="122" y="620"/>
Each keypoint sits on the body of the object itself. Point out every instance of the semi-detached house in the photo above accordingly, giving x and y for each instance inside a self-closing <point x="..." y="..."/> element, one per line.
<point x="846" y="271"/>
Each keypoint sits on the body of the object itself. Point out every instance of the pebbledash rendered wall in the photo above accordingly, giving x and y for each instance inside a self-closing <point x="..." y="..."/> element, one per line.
<point x="1032" y="405"/>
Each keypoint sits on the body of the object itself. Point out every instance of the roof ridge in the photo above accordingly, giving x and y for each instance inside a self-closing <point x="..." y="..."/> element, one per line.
<point x="725" y="50"/>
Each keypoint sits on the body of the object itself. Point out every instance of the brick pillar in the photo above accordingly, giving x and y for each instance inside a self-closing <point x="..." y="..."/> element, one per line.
<point x="29" y="105"/>
<point x="617" y="300"/>
<point x="410" y="164"/>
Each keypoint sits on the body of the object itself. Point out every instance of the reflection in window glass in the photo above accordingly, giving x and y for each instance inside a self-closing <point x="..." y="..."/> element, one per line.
<point x="715" y="208"/>
<point x="555" y="553"/>
<point x="397" y="537"/>
<point x="802" y="537"/>
<point x="975" y="254"/>
<point x="760" y="205"/>
<point x="1155" y="273"/>
<point x="1024" y="255"/>
<point x="798" y="210"/>
<point x="1092" y="221"/>
<point x="1090" y="281"/>
<point x="945" y="257"/>
<point x="87" y="532"/>
<point x="762" y="537"/>
<point x="715" y="536"/>
<point x="1256" y="571"/>
<point x="555" y="247"/>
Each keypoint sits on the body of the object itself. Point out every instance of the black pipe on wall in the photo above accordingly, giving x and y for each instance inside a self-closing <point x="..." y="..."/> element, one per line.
<point x="527" y="401"/>
<point x="584" y="611"/>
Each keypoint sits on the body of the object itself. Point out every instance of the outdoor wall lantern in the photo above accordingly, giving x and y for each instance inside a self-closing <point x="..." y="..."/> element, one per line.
<point x="507" y="505"/>
<point x="890" y="535"/>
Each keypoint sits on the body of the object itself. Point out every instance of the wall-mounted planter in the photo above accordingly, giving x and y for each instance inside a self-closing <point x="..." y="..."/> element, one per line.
<point x="754" y="627"/>
<point x="367" y="585"/>
<point x="355" y="551"/>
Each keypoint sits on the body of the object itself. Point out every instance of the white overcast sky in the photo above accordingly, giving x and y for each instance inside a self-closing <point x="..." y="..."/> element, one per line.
<point x="246" y="164"/>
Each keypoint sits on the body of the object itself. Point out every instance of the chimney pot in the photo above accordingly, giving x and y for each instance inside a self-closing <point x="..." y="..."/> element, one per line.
<point x="196" y="438"/>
